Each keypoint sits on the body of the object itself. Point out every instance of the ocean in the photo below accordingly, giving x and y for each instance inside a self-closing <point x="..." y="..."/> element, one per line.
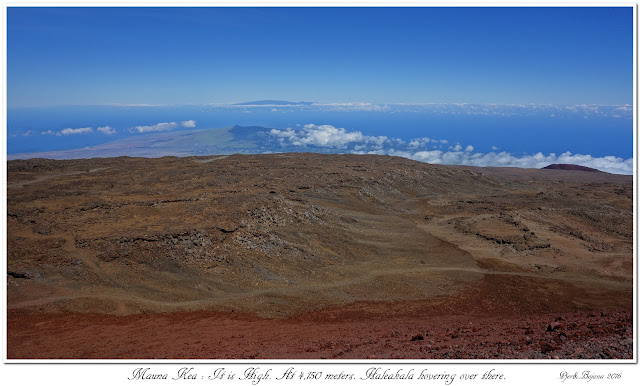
<point x="598" y="131"/>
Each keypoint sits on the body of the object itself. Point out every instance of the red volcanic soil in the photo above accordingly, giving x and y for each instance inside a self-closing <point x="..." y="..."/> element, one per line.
<point x="497" y="323"/>
<point x="570" y="167"/>
<point x="211" y="335"/>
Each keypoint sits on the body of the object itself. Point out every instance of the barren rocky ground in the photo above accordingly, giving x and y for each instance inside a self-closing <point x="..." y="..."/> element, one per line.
<point x="354" y="256"/>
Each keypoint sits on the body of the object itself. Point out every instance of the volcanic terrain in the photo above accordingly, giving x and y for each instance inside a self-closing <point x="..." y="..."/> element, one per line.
<point x="570" y="167"/>
<point x="315" y="256"/>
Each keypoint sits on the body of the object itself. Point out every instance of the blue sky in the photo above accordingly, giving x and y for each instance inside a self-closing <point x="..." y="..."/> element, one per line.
<point x="79" y="56"/>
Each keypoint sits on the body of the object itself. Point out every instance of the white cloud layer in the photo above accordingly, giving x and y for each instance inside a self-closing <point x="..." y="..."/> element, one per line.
<point x="163" y="126"/>
<point x="608" y="164"/>
<point x="419" y="142"/>
<point x="461" y="109"/>
<point x="325" y="136"/>
<point x="334" y="138"/>
<point x="422" y="142"/>
<point x="70" y="131"/>
<point x="108" y="130"/>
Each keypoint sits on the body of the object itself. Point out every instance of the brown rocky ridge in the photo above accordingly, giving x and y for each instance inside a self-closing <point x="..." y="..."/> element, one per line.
<point x="315" y="256"/>
<point x="571" y="167"/>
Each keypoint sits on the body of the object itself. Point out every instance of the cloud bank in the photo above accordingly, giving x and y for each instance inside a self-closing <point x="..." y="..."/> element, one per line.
<point x="325" y="136"/>
<point x="189" y="123"/>
<point x="608" y="164"/>
<point x="81" y="130"/>
<point x="331" y="139"/>
<point x="107" y="130"/>
<point x="70" y="131"/>
<point x="458" y="109"/>
<point x="423" y="141"/>
<point x="163" y="126"/>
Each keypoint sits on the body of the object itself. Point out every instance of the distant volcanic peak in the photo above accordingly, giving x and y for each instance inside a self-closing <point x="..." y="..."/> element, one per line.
<point x="571" y="167"/>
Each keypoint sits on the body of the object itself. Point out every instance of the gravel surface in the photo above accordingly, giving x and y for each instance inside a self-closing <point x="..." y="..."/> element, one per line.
<point x="208" y="335"/>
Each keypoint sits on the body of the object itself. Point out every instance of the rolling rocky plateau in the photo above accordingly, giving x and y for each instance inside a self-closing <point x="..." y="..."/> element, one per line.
<point x="316" y="256"/>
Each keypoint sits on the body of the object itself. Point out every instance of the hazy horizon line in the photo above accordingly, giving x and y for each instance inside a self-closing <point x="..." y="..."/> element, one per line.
<point x="324" y="104"/>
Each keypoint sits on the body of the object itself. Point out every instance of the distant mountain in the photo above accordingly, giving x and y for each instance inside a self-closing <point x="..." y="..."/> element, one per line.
<point x="571" y="167"/>
<point x="269" y="102"/>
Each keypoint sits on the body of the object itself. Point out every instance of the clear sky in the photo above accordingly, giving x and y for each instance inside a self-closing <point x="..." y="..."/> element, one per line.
<point x="77" y="56"/>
